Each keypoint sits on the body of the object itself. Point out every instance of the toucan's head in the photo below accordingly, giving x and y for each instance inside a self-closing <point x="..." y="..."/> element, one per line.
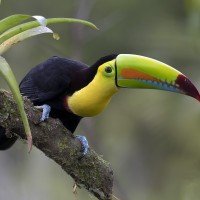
<point x="103" y="79"/>
<point x="134" y="71"/>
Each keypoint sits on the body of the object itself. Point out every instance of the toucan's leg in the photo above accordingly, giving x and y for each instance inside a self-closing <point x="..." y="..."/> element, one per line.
<point x="45" y="112"/>
<point x="84" y="144"/>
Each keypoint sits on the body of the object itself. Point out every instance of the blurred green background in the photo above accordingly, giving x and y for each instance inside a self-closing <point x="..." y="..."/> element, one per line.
<point x="151" y="138"/>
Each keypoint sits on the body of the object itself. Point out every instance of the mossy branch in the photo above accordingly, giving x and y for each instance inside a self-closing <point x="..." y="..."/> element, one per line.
<point x="59" y="144"/>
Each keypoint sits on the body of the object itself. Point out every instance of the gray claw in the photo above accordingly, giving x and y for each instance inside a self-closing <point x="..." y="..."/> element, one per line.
<point x="84" y="144"/>
<point x="45" y="112"/>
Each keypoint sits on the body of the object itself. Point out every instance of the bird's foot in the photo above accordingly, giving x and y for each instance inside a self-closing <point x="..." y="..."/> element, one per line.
<point x="45" y="112"/>
<point x="84" y="144"/>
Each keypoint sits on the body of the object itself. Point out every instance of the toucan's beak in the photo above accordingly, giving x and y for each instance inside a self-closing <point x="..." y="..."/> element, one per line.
<point x="133" y="71"/>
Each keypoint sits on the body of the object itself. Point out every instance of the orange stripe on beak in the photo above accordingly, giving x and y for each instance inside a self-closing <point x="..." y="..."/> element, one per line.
<point x="134" y="74"/>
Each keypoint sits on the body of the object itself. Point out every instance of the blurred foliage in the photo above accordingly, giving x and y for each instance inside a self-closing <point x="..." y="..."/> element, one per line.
<point x="13" y="31"/>
<point x="151" y="138"/>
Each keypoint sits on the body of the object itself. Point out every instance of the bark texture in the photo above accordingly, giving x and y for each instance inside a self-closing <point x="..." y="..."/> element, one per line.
<point x="59" y="144"/>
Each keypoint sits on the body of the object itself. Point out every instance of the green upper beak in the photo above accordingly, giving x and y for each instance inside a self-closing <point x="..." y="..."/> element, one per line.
<point x="133" y="71"/>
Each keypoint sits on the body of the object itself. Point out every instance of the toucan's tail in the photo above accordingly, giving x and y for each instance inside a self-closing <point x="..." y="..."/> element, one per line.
<point x="6" y="142"/>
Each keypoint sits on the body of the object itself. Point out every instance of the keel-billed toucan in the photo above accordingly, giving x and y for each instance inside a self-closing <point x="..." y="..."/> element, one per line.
<point x="70" y="90"/>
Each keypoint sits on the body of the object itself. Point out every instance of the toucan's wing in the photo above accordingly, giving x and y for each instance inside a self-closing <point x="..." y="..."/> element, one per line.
<point x="49" y="79"/>
<point x="69" y="120"/>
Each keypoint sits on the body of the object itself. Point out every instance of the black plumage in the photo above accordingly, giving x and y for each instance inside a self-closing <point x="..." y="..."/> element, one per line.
<point x="51" y="82"/>
<point x="50" y="79"/>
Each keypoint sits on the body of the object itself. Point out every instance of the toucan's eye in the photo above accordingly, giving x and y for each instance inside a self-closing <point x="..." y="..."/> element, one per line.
<point x="108" y="69"/>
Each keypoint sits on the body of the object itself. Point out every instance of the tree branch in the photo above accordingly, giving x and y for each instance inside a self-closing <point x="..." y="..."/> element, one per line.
<point x="59" y="144"/>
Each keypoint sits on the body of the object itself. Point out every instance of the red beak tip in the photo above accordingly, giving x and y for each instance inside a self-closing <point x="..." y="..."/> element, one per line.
<point x="187" y="86"/>
<point x="198" y="98"/>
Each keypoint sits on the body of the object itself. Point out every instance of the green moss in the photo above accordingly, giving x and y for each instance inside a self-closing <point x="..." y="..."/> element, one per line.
<point x="61" y="145"/>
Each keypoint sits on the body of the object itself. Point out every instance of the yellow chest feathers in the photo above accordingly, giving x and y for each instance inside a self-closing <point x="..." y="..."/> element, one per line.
<point x="93" y="98"/>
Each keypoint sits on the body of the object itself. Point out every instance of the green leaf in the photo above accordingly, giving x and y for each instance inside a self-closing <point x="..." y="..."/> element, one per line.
<point x="9" y="77"/>
<point x="28" y="25"/>
<point x="12" y="20"/>
<point x="70" y="20"/>
<point x="22" y="36"/>
<point x="13" y="34"/>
